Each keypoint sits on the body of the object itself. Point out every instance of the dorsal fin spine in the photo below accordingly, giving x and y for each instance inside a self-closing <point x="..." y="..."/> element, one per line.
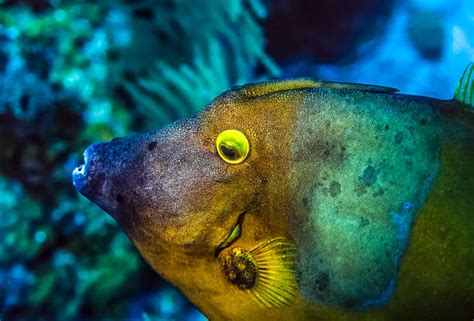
<point x="268" y="87"/>
<point x="465" y="89"/>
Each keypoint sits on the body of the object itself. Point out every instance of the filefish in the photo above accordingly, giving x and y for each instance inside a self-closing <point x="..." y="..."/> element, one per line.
<point x="303" y="200"/>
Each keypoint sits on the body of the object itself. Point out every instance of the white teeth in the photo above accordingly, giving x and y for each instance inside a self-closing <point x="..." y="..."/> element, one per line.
<point x="79" y="170"/>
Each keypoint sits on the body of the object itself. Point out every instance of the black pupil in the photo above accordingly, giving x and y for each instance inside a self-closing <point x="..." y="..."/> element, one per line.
<point x="230" y="153"/>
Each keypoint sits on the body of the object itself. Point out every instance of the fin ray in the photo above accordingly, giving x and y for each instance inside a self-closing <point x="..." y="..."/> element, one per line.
<point x="276" y="284"/>
<point x="465" y="89"/>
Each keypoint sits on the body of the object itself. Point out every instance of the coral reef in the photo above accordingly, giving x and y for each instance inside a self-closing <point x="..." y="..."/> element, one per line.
<point x="193" y="68"/>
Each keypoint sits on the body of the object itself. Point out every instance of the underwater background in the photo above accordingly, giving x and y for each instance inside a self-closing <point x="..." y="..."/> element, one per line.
<point x="77" y="72"/>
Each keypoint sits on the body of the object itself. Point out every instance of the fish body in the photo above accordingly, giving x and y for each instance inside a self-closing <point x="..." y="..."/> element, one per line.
<point x="303" y="200"/>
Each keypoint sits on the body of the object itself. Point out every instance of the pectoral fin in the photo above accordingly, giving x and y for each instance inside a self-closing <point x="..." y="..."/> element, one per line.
<point x="265" y="272"/>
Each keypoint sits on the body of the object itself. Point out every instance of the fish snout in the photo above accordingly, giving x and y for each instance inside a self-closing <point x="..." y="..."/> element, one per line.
<point x="111" y="173"/>
<point x="86" y="177"/>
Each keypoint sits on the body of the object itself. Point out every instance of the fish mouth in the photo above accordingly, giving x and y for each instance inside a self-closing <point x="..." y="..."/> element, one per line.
<point x="79" y="174"/>
<point x="84" y="176"/>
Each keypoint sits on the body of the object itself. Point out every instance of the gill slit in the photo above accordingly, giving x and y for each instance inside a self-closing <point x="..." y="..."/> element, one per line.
<point x="233" y="236"/>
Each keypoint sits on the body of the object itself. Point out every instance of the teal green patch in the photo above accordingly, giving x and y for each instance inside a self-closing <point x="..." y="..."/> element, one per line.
<point x="358" y="228"/>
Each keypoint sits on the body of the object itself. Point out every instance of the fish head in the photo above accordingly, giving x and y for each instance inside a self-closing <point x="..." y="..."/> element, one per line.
<point x="166" y="189"/>
<point x="175" y="195"/>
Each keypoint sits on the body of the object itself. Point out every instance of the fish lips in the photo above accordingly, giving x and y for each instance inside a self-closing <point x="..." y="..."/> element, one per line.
<point x="90" y="179"/>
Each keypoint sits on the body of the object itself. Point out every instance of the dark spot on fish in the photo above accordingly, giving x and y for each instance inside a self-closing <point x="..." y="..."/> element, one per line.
<point x="387" y="127"/>
<point x="305" y="202"/>
<point x="369" y="176"/>
<point x="408" y="151"/>
<point x="320" y="149"/>
<point x="349" y="304"/>
<point x="119" y="198"/>
<point x="326" y="150"/>
<point x="360" y="188"/>
<point x="407" y="205"/>
<point x="334" y="189"/>
<point x="378" y="192"/>
<point x="423" y="121"/>
<point x="151" y="146"/>
<point x="364" y="221"/>
<point x="190" y="247"/>
<point x="399" y="138"/>
<point x="322" y="281"/>
<point x="324" y="191"/>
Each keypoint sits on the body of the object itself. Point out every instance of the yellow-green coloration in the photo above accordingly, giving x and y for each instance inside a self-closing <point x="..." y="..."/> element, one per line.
<point x="353" y="203"/>
<point x="465" y="90"/>
<point x="232" y="146"/>
<point x="275" y="285"/>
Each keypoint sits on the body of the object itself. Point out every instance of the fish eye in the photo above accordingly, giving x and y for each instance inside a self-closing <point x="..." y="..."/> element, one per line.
<point x="232" y="146"/>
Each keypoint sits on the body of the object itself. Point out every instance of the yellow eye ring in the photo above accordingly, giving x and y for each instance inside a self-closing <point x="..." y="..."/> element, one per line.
<point x="232" y="146"/>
